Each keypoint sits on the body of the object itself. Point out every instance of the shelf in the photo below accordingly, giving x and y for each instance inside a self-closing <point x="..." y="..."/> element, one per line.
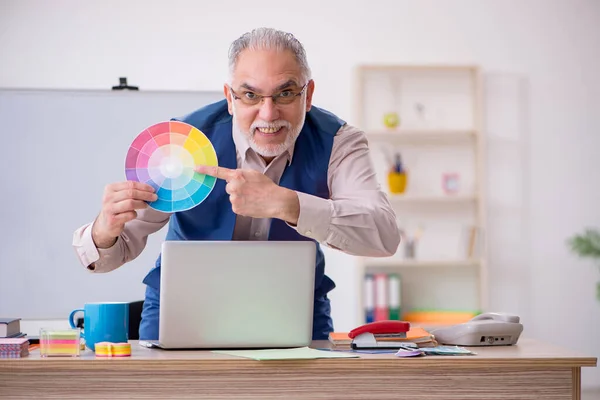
<point x="419" y="67"/>
<point x="432" y="199"/>
<point x="439" y="130"/>
<point x="419" y="136"/>
<point x="430" y="326"/>
<point x="392" y="262"/>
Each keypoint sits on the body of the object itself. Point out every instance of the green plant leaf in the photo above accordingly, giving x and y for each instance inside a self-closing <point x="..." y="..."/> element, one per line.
<point x="586" y="244"/>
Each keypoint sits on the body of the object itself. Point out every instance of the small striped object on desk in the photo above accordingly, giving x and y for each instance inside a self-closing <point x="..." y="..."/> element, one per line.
<point x="14" y="347"/>
<point x="108" y="349"/>
<point x="64" y="343"/>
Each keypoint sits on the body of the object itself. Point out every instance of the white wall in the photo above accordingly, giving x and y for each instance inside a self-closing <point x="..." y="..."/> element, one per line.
<point x="554" y="45"/>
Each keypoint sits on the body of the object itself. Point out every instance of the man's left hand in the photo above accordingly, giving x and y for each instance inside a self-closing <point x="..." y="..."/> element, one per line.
<point x="253" y="194"/>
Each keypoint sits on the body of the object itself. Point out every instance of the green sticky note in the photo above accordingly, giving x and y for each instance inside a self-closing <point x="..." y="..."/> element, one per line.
<point x="298" y="353"/>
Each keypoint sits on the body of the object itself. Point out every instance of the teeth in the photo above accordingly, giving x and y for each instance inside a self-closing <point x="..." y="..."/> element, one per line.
<point x="268" y="130"/>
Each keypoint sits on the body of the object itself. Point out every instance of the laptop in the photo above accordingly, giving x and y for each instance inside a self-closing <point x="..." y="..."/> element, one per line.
<point x="236" y="294"/>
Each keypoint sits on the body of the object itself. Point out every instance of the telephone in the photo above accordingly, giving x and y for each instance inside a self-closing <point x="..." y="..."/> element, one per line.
<point x="487" y="329"/>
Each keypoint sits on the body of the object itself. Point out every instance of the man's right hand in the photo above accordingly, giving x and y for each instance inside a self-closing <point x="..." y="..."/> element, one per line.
<point x="119" y="205"/>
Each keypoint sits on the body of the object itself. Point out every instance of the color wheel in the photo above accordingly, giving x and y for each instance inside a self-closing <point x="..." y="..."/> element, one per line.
<point x="164" y="156"/>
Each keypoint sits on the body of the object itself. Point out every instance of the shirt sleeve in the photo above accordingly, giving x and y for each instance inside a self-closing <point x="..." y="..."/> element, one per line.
<point x="357" y="218"/>
<point x="128" y="246"/>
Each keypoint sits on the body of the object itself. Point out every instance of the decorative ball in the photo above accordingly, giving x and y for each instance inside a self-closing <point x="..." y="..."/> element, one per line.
<point x="391" y="120"/>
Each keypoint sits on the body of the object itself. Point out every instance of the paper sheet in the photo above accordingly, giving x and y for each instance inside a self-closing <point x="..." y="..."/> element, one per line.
<point x="297" y="353"/>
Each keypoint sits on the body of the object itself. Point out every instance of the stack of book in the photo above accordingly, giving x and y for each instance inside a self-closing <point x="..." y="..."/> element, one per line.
<point x="12" y="341"/>
<point x="10" y="328"/>
<point x="14" y="347"/>
<point x="416" y="335"/>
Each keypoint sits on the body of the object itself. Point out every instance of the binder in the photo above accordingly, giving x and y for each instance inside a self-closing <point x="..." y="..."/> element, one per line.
<point x="369" y="299"/>
<point x="381" y="298"/>
<point x="394" y="296"/>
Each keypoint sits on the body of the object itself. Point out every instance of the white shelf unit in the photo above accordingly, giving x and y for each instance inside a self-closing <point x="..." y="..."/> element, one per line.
<point x="432" y="199"/>
<point x="439" y="132"/>
<point x="389" y="263"/>
<point x="424" y="136"/>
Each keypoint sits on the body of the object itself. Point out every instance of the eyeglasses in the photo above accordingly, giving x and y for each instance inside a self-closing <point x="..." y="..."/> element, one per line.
<point x="284" y="97"/>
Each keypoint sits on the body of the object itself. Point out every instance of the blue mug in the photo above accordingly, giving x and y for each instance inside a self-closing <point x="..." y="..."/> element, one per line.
<point x="103" y="322"/>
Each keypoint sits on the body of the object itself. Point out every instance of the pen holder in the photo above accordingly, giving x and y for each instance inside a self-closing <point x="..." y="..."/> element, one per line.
<point x="397" y="182"/>
<point x="59" y="343"/>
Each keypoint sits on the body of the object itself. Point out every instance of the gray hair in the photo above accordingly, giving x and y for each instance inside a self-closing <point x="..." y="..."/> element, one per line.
<point x="269" y="39"/>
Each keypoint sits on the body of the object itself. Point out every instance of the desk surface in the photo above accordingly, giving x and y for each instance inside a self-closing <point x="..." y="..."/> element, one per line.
<point x="528" y="370"/>
<point x="527" y="352"/>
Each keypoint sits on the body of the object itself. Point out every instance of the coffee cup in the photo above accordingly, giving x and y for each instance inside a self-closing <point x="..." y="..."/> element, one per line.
<point x="103" y="322"/>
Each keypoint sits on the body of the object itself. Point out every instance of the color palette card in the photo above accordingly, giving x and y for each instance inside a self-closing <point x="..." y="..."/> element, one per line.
<point x="164" y="156"/>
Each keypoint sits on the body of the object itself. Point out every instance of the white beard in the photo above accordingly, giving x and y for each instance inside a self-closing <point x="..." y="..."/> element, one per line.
<point x="272" y="150"/>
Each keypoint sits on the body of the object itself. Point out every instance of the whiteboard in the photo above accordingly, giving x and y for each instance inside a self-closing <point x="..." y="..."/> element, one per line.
<point x="60" y="148"/>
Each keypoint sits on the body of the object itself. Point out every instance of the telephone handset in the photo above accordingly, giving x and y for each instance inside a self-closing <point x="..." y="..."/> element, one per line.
<point x="497" y="316"/>
<point x="487" y="329"/>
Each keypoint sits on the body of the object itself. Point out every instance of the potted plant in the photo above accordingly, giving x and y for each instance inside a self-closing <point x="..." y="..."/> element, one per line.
<point x="587" y="245"/>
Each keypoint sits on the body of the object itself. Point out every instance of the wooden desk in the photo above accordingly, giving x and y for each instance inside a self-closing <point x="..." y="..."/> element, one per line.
<point x="529" y="370"/>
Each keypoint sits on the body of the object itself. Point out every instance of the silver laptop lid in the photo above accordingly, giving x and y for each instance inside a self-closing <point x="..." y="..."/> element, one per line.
<point x="236" y="294"/>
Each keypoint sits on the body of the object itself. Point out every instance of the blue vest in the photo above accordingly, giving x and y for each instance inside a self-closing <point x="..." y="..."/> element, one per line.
<point x="214" y="219"/>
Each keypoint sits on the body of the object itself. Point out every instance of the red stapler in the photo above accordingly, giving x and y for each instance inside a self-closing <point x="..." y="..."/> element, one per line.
<point x="380" y="335"/>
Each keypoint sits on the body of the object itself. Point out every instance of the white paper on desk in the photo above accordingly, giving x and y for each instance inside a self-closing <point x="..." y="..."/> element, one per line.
<point x="145" y="343"/>
<point x="298" y="353"/>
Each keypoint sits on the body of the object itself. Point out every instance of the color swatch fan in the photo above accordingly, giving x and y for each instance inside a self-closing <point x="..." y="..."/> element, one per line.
<point x="164" y="156"/>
